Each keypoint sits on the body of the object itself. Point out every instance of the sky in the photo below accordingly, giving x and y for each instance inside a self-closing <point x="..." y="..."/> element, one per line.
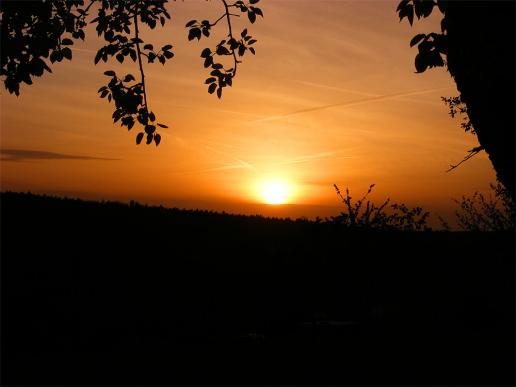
<point x="331" y="97"/>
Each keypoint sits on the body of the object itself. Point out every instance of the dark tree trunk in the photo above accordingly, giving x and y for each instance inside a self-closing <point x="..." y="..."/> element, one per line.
<point x="480" y="38"/>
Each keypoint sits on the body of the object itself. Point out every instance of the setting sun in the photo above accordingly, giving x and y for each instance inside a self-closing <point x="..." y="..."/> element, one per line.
<point x="275" y="191"/>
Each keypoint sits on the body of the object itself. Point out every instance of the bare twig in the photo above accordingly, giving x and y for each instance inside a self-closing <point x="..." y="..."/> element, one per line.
<point x="471" y="153"/>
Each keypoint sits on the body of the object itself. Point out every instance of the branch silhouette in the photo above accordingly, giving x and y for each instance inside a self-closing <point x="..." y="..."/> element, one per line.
<point x="35" y="30"/>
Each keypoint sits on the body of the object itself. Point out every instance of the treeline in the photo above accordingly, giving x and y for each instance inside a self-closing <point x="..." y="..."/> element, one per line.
<point x="109" y="293"/>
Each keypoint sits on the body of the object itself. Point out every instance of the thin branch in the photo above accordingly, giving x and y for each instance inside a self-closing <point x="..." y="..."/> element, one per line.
<point x="228" y="16"/>
<point x="136" y="32"/>
<point x="471" y="153"/>
<point x="216" y="21"/>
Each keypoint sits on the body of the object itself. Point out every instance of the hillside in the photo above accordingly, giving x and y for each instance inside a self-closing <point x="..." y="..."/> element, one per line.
<point x="108" y="293"/>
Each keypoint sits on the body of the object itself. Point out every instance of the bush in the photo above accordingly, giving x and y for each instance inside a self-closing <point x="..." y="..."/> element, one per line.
<point x="370" y="216"/>
<point x="495" y="213"/>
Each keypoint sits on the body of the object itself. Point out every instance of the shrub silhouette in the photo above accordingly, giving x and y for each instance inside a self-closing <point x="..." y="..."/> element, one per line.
<point x="480" y="213"/>
<point x="371" y="216"/>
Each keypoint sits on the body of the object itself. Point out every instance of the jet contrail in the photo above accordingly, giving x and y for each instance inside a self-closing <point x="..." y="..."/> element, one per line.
<point x="241" y="162"/>
<point x="314" y="156"/>
<point x="350" y="103"/>
<point x="321" y="86"/>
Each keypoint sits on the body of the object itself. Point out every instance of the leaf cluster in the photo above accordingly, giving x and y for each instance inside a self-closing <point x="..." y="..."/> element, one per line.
<point x="457" y="107"/>
<point x="35" y="30"/>
<point x="365" y="215"/>
<point x="432" y="47"/>
<point x="129" y="106"/>
<point x="235" y="48"/>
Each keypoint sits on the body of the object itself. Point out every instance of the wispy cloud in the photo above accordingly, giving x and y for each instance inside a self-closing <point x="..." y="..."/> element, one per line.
<point x="314" y="157"/>
<point x="350" y="103"/>
<point x="24" y="155"/>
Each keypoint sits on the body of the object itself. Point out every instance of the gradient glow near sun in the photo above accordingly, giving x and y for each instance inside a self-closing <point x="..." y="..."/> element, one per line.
<point x="275" y="191"/>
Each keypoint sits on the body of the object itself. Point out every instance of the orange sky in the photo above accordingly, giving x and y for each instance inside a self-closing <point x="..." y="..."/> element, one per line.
<point x="330" y="97"/>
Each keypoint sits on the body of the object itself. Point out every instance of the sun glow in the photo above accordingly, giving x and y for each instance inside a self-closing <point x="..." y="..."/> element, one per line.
<point x="275" y="191"/>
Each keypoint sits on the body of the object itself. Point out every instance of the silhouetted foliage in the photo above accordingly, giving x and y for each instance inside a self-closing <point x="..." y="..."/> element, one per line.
<point x="480" y="213"/>
<point x="370" y="216"/>
<point x="457" y="107"/>
<point x="477" y="46"/>
<point x="34" y="30"/>
<point x="105" y="293"/>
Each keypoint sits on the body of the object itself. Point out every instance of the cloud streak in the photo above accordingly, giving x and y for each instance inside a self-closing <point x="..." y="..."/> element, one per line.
<point x="240" y="162"/>
<point x="349" y="103"/>
<point x="25" y="155"/>
<point x="314" y="157"/>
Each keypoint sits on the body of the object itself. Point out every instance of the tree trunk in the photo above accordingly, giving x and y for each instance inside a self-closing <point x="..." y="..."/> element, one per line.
<point x="480" y="38"/>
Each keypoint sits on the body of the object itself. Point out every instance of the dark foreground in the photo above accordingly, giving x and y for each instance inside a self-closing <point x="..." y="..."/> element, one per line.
<point x="107" y="294"/>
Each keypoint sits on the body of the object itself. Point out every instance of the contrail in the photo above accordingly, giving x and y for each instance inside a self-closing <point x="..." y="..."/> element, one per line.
<point x="350" y="103"/>
<point x="241" y="162"/>
<point x="342" y="90"/>
<point x="314" y="156"/>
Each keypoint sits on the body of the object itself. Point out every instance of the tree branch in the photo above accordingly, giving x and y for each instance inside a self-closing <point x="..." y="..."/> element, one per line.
<point x="230" y="34"/>
<point x="136" y="32"/>
<point x="471" y="153"/>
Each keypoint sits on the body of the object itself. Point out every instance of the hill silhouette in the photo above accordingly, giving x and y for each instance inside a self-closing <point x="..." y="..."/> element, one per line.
<point x="104" y="293"/>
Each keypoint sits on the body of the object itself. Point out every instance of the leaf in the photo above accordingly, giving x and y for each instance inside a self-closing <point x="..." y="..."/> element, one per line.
<point x="421" y="62"/>
<point x="167" y="47"/>
<point x="257" y="11"/>
<point x="205" y="53"/>
<point x="212" y="88"/>
<point x="148" y="47"/>
<point x="67" y="53"/>
<point x="168" y="54"/>
<point x="210" y="80"/>
<point x="219" y="92"/>
<point x="129" y="78"/>
<point x="190" y="23"/>
<point x="402" y="4"/>
<point x="53" y="56"/>
<point x="157" y="138"/>
<point x="110" y="73"/>
<point x="416" y="39"/>
<point x="208" y="62"/>
<point x="252" y="16"/>
<point x="162" y="125"/>
<point x="67" y="42"/>
<point x="120" y="58"/>
<point x="192" y="34"/>
<point x="243" y="33"/>
<point x="139" y="138"/>
<point x="132" y="54"/>
<point x="222" y="51"/>
<point x="149" y="129"/>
